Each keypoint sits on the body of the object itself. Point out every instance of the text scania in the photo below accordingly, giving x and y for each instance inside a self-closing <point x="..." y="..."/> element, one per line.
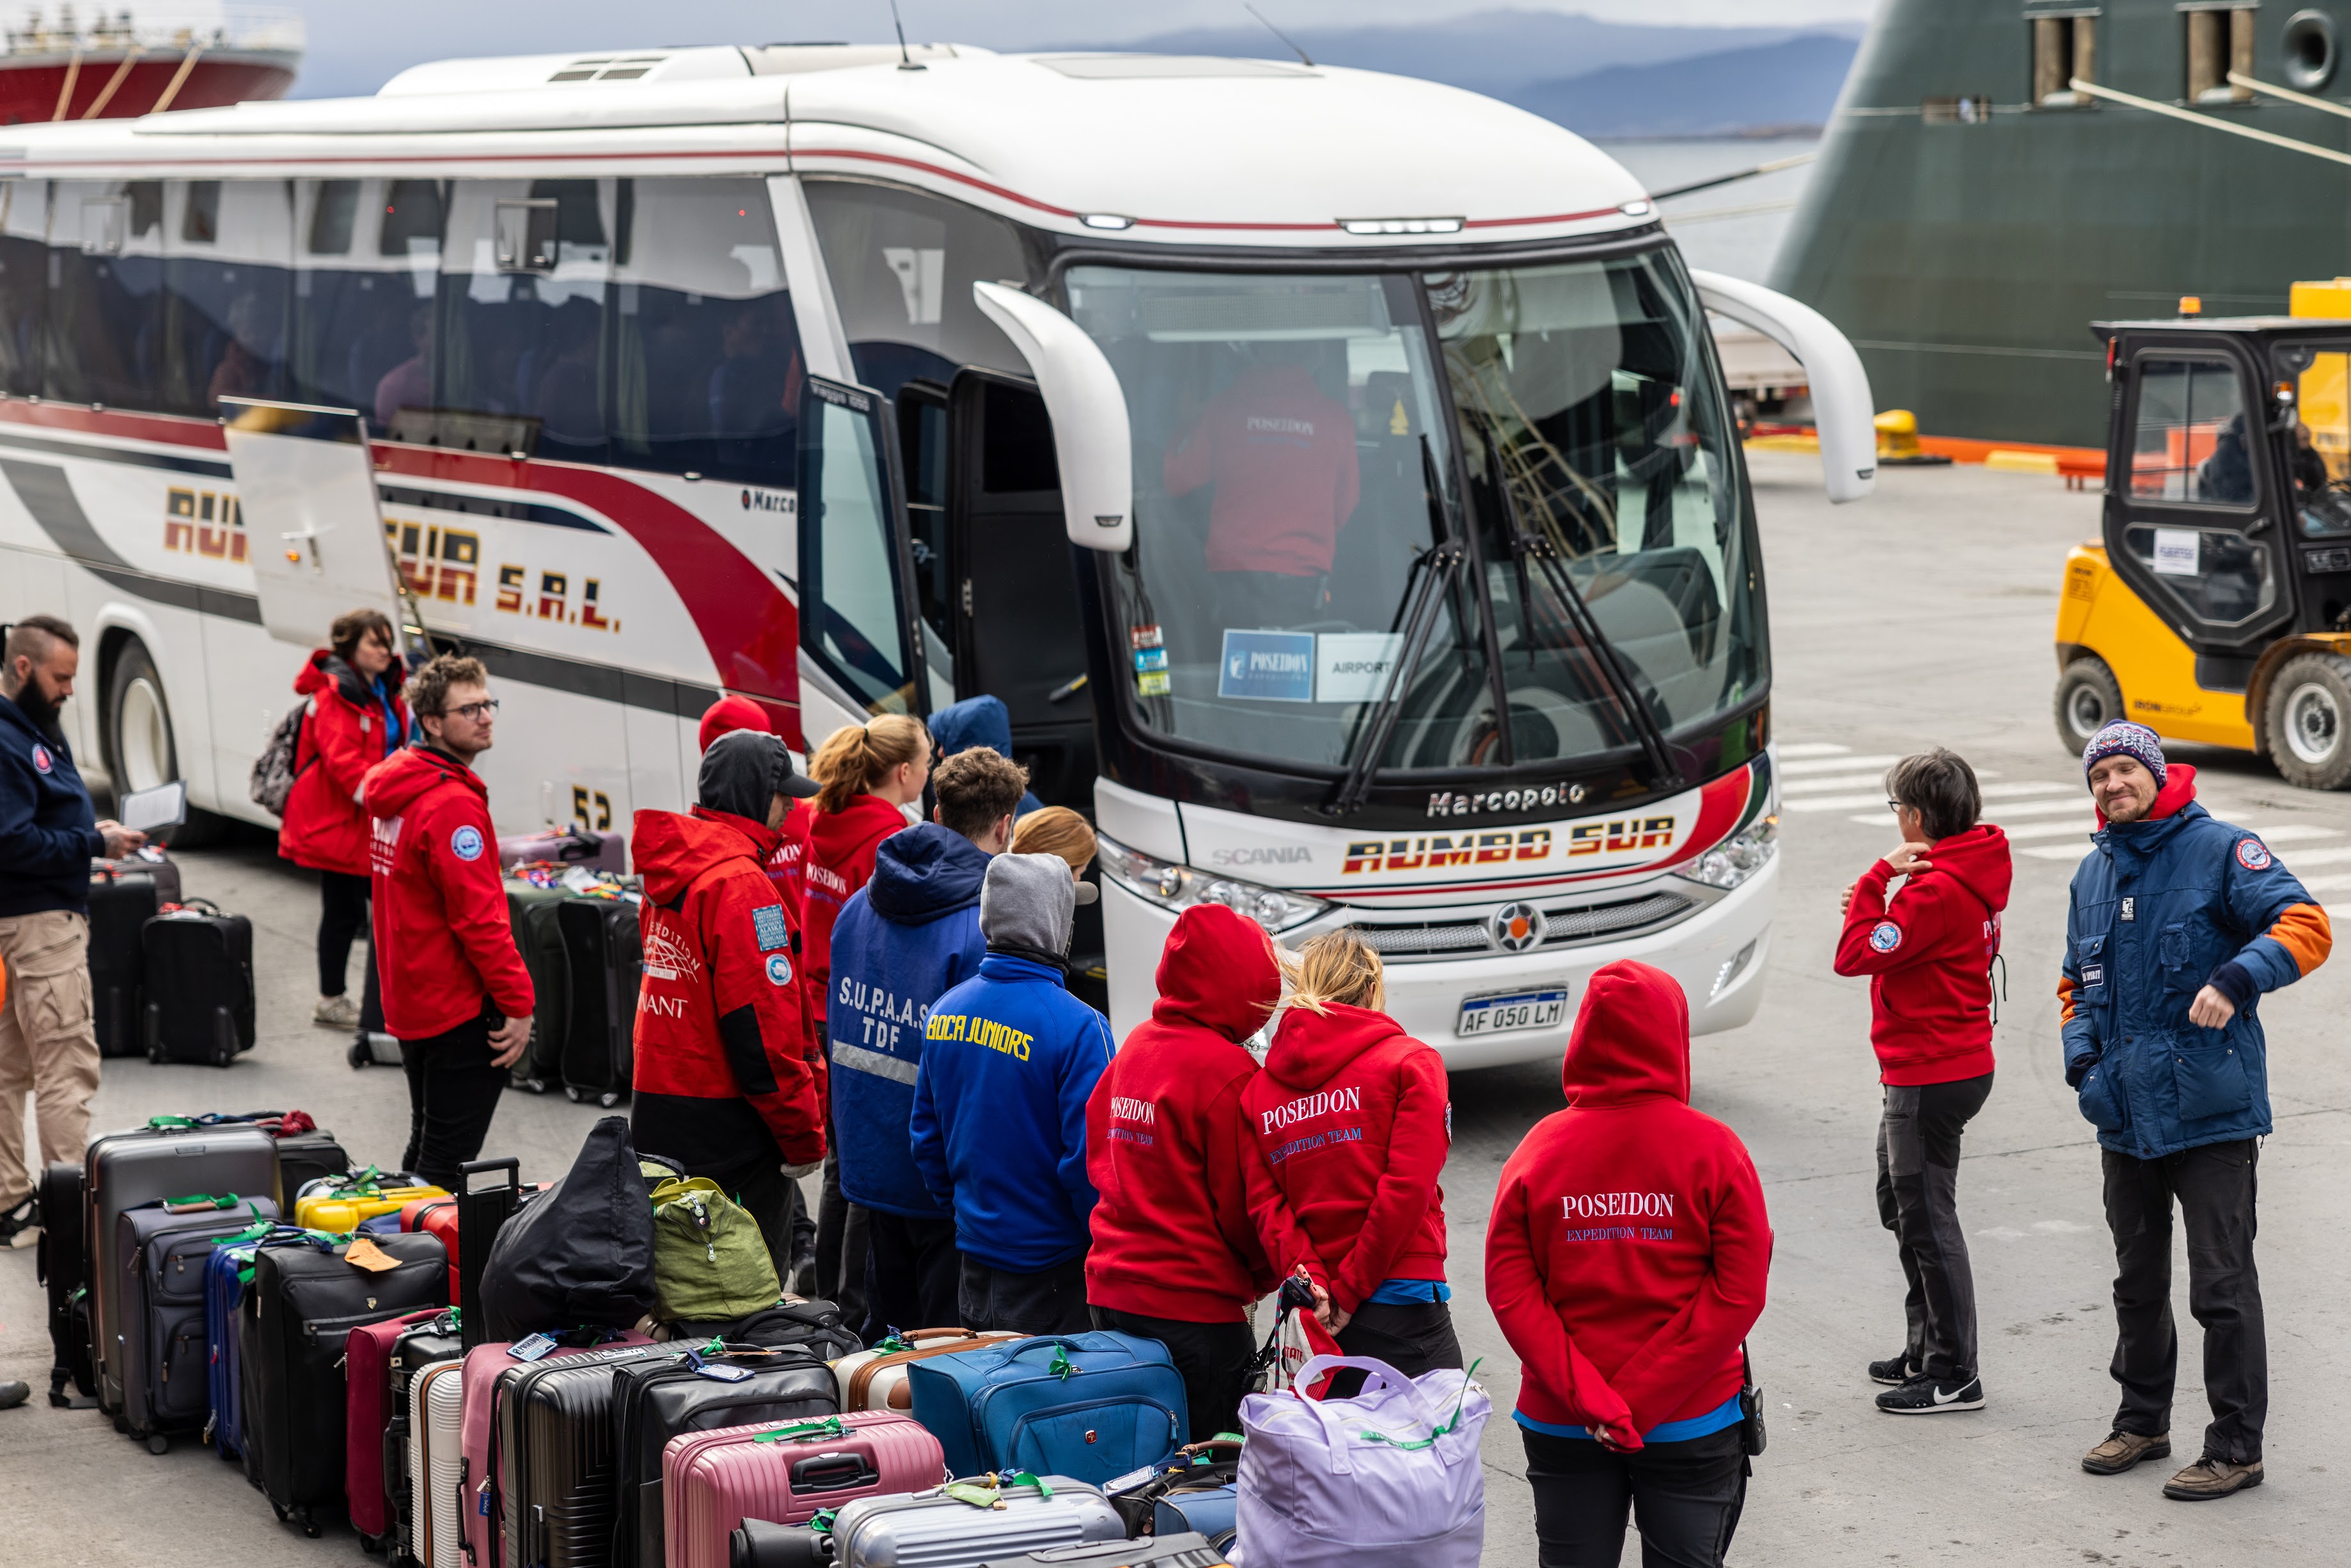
<point x="1439" y="852"/>
<point x="1617" y="1205"/>
<point x="1323" y="1103"/>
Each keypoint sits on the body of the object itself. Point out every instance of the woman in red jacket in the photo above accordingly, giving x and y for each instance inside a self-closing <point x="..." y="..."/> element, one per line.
<point x="1353" y="1122"/>
<point x="1175" y="1256"/>
<point x="357" y="718"/>
<point x="869" y="773"/>
<point x="1625" y="1260"/>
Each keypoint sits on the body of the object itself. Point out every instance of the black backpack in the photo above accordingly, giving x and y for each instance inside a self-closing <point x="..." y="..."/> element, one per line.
<point x="582" y="1255"/>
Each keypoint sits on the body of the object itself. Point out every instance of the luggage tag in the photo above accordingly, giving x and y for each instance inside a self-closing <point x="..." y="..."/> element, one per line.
<point x="365" y="1254"/>
<point x="720" y="1372"/>
<point x="530" y="1349"/>
<point x="1130" y="1480"/>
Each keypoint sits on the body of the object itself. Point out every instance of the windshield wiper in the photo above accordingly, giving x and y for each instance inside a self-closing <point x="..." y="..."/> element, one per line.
<point x="1529" y="544"/>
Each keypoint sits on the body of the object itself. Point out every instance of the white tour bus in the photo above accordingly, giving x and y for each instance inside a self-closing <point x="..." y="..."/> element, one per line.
<point x="1330" y="471"/>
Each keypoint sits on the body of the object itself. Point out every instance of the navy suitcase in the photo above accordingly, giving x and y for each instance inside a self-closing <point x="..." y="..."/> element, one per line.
<point x="1093" y="1406"/>
<point x="165" y="1249"/>
<point x="226" y="1273"/>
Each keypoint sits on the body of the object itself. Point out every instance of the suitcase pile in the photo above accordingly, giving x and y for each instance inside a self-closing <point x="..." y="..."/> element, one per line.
<point x="171" y="979"/>
<point x="577" y="932"/>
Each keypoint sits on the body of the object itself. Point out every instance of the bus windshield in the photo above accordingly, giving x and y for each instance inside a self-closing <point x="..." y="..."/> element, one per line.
<point x="1302" y="446"/>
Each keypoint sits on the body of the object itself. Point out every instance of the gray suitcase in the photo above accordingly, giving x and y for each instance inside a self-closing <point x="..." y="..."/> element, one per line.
<point x="162" y="1296"/>
<point x="170" y="1157"/>
<point x="936" y="1531"/>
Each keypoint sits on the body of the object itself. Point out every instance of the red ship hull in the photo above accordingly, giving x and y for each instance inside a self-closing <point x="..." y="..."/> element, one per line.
<point x="29" y="87"/>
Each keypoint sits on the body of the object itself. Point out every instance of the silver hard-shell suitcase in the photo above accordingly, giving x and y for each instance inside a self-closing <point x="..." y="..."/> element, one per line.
<point x="170" y="1157"/>
<point x="937" y="1530"/>
<point x="436" y="1463"/>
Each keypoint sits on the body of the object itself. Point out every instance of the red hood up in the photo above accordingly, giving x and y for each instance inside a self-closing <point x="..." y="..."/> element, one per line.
<point x="1311" y="1047"/>
<point x="1218" y="972"/>
<point x="314" y="675"/>
<point x="1979" y="861"/>
<point x="730" y="714"/>
<point x="392" y="785"/>
<point x="2178" y="789"/>
<point x="1631" y="1038"/>
<point x="670" y="848"/>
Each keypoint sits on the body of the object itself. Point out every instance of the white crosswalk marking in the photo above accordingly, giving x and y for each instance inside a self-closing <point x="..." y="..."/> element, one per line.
<point x="1848" y="781"/>
<point x="1810" y="748"/>
<point x="2328" y="884"/>
<point x="2010" y="791"/>
<point x="2048" y="807"/>
<point x="2024" y="830"/>
<point x="2294" y="834"/>
<point x="2316" y="857"/>
<point x="2287" y="833"/>
<point x="1835" y="764"/>
<point x="1990" y="793"/>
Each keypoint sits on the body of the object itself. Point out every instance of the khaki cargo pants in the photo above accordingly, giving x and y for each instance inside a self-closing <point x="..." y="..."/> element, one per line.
<point x="49" y="1043"/>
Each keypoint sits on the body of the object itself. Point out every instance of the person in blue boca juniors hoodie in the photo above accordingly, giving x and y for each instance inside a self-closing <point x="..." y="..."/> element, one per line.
<point x="2178" y="923"/>
<point x="908" y="937"/>
<point x="1010" y="1060"/>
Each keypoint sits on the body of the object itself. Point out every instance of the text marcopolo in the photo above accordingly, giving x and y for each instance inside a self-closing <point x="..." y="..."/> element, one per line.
<point x="1617" y="1205"/>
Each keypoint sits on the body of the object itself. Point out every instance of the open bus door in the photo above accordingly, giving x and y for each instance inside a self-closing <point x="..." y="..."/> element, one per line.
<point x="860" y="637"/>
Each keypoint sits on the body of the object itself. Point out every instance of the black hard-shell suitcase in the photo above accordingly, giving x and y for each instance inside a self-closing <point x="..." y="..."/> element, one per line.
<point x="538" y="937"/>
<point x="482" y="1209"/>
<point x="307" y="1157"/>
<point x="198" y="985"/>
<point x="171" y="1157"/>
<point x="163" y="1247"/>
<point x="554" y="1457"/>
<point x="427" y="1344"/>
<point x="654" y="1401"/>
<point x="370" y="1045"/>
<point x="123" y="897"/>
<point x="604" y="953"/>
<point x="303" y="1300"/>
<point x="60" y="1262"/>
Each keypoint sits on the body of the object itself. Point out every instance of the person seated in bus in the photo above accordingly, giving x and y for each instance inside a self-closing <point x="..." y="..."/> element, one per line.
<point x="246" y="367"/>
<point x="755" y="388"/>
<point x="985" y="721"/>
<point x="565" y="400"/>
<point x="357" y="717"/>
<point x="1175" y="1257"/>
<point x="871" y="774"/>
<point x="1280" y="453"/>
<point x="408" y="384"/>
<point x="1010" y="1060"/>
<point x="1352" y="1122"/>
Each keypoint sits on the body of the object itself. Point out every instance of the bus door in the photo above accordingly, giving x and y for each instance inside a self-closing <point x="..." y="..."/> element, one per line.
<point x="861" y="653"/>
<point x="305" y="488"/>
<point x="1018" y="633"/>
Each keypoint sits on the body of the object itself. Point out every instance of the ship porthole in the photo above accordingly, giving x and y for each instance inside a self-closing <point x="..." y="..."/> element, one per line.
<point x="2310" y="51"/>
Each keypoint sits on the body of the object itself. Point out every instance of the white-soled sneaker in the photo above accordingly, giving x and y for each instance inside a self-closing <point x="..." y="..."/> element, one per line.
<point x="336" y="1012"/>
<point x="1927" y="1397"/>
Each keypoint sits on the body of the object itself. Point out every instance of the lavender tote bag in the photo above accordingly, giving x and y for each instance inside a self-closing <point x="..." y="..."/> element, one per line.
<point x="1390" y="1476"/>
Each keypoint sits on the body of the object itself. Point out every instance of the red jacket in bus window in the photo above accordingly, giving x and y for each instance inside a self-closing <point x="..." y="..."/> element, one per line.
<point x="723" y="1077"/>
<point x="1282" y="458"/>
<point x="347" y="730"/>
<point x="1352" y="1122"/>
<point x="442" y="942"/>
<point x="1928" y="952"/>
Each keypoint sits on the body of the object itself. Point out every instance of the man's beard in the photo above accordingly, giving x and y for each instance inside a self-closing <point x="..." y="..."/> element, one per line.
<point x="38" y="709"/>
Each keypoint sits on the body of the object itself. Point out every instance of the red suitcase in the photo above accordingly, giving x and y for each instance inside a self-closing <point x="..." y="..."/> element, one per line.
<point x="367" y="1412"/>
<point x="712" y="1482"/>
<point x="478" y="1477"/>
<point x="438" y="1216"/>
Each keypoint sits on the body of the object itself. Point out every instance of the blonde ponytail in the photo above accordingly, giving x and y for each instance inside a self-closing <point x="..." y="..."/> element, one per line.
<point x="855" y="758"/>
<point x="1338" y="966"/>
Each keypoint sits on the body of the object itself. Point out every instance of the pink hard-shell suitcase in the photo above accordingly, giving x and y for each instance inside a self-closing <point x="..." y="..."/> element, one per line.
<point x="367" y="1412"/>
<point x="712" y="1482"/>
<point x="477" y="1479"/>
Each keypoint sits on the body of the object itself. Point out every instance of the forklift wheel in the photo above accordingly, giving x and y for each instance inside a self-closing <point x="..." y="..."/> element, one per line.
<point x="2089" y="699"/>
<point x="2310" y="721"/>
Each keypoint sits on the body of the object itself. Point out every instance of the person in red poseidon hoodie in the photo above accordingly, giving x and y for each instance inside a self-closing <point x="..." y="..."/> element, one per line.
<point x="1352" y="1124"/>
<point x="456" y="994"/>
<point x="1927" y="951"/>
<point x="1175" y="1257"/>
<point x="723" y="1083"/>
<point x="1625" y="1260"/>
<point x="871" y="773"/>
<point x="357" y="717"/>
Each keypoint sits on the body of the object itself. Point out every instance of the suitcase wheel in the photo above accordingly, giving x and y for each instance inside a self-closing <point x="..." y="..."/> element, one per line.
<point x="158" y="1444"/>
<point x="155" y="1055"/>
<point x="279" y="1511"/>
<point x="359" y="1055"/>
<point x="574" y="1095"/>
<point x="310" y="1525"/>
<point x="608" y="1100"/>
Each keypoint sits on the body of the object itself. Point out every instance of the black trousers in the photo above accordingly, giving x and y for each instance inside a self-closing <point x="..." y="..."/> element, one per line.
<point x="1918" y="1200"/>
<point x="1685" y="1495"/>
<point x="452" y="1092"/>
<point x="911" y="1272"/>
<point x="1214" y="1359"/>
<point x="1052" y="1301"/>
<point x="839" y="1241"/>
<point x="2215" y="1186"/>
<point x="343" y="915"/>
<point x="1411" y="1339"/>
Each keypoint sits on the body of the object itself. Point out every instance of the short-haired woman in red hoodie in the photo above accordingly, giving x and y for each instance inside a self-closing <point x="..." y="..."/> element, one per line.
<point x="1352" y="1118"/>
<point x="1175" y="1257"/>
<point x="1625" y="1260"/>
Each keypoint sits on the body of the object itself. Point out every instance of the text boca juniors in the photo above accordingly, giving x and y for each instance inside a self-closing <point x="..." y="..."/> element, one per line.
<point x="1437" y="851"/>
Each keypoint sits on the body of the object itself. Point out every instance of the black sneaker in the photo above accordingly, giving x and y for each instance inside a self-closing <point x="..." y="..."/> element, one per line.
<point x="1897" y="1370"/>
<point x="19" y="1224"/>
<point x="1927" y="1397"/>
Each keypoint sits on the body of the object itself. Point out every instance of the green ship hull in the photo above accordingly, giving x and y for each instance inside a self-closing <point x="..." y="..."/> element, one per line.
<point x="1966" y="247"/>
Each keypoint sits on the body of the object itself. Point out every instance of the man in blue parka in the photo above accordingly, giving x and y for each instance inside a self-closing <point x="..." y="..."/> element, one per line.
<point x="2178" y="923"/>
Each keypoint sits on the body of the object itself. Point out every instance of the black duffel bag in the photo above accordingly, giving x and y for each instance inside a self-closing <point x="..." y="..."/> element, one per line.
<point x="582" y="1255"/>
<point x="816" y="1324"/>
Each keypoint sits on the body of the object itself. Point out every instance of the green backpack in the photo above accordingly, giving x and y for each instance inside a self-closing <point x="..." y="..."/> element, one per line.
<point x="710" y="1262"/>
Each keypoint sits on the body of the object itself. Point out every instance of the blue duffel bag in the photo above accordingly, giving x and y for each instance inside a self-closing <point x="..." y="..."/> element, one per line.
<point x="1092" y="1406"/>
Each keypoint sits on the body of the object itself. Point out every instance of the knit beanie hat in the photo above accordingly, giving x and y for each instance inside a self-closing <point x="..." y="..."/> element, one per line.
<point x="2123" y="737"/>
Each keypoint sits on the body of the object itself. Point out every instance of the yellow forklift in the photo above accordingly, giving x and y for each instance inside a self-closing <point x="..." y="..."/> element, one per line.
<point x="2216" y="607"/>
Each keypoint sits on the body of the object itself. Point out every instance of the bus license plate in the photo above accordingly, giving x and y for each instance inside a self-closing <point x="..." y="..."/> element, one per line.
<point x="1509" y="1010"/>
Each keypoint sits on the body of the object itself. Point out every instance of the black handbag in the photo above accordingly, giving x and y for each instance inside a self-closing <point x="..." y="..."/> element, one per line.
<point x="1751" y="1436"/>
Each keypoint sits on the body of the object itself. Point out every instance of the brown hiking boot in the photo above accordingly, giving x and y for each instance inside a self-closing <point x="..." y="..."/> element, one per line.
<point x="2121" y="1450"/>
<point x="2212" y="1477"/>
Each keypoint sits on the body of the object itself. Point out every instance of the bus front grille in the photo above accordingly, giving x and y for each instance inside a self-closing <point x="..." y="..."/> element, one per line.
<point x="1567" y="926"/>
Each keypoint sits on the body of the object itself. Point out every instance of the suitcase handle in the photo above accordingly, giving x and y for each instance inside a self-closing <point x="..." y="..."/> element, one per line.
<point x="511" y="1165"/>
<point x="833" y="1472"/>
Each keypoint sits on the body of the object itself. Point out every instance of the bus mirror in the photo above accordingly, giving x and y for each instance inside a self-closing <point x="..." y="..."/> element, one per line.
<point x="1839" y="387"/>
<point x="1092" y="440"/>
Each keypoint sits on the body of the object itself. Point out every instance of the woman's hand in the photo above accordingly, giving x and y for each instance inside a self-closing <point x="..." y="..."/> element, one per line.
<point x="1326" y="1311"/>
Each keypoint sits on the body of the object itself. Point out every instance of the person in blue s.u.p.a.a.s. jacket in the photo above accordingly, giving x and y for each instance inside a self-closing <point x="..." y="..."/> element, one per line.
<point x="2178" y="923"/>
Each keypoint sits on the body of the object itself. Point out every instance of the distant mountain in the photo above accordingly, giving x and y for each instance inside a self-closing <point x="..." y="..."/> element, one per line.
<point x="1778" y="85"/>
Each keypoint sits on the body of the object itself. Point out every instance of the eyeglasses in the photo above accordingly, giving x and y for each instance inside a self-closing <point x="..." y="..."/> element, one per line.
<point x="478" y="711"/>
<point x="1894" y="805"/>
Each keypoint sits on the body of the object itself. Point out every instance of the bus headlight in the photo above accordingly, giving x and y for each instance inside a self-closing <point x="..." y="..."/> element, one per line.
<point x="1174" y="886"/>
<point x="1738" y="857"/>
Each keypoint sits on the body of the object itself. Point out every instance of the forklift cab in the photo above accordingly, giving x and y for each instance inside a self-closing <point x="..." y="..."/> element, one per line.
<point x="2216" y="606"/>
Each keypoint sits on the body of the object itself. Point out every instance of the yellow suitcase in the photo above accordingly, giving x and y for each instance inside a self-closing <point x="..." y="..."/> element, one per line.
<point x="340" y="1203"/>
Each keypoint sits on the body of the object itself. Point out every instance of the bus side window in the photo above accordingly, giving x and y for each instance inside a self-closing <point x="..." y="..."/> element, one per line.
<point x="851" y="593"/>
<point x="364" y="277"/>
<point x="104" y="312"/>
<point x="228" y="258"/>
<point x="24" y="283"/>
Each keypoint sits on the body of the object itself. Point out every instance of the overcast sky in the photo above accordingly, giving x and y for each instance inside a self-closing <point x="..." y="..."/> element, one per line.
<point x="355" y="45"/>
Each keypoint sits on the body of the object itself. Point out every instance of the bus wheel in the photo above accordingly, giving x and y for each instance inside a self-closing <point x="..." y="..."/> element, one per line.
<point x="2089" y="699"/>
<point x="2310" y="721"/>
<point x="140" y="749"/>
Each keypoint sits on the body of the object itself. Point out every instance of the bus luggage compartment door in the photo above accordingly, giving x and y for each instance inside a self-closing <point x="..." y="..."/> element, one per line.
<point x="306" y="486"/>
